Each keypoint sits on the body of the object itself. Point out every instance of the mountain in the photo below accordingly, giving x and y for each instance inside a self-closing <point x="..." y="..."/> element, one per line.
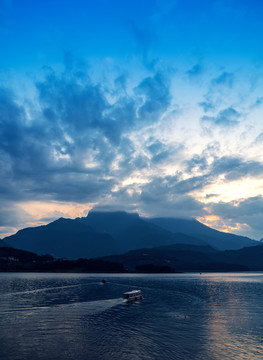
<point x="98" y="234"/>
<point x="215" y="238"/>
<point x="106" y="233"/>
<point x="64" y="238"/>
<point x="2" y="243"/>
<point x="132" y="232"/>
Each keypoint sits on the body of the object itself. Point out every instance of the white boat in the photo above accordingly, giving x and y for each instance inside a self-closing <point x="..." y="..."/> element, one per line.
<point x="133" y="295"/>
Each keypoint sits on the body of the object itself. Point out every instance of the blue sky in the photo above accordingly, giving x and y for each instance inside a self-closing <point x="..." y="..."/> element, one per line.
<point x="149" y="106"/>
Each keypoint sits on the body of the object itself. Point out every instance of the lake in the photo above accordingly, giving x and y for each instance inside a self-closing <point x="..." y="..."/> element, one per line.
<point x="182" y="316"/>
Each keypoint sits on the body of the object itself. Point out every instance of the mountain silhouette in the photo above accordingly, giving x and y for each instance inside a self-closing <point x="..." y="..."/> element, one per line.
<point x="215" y="238"/>
<point x="107" y="233"/>
<point x="63" y="238"/>
<point x="2" y="243"/>
<point x="132" y="232"/>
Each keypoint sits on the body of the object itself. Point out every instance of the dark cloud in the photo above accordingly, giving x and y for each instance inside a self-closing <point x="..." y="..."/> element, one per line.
<point x="81" y="108"/>
<point x="120" y="84"/>
<point x="155" y="95"/>
<point x="144" y="40"/>
<point x="232" y="167"/>
<point x="155" y="147"/>
<point x="159" y="197"/>
<point x="225" y="79"/>
<point x="162" y="153"/>
<point x="74" y="106"/>
<point x="195" y="71"/>
<point x="207" y="106"/>
<point x="11" y="215"/>
<point x="208" y="196"/>
<point x="192" y="184"/>
<point x="12" y="122"/>
<point x="168" y="196"/>
<point x="197" y="162"/>
<point x="219" y="89"/>
<point x="247" y="212"/>
<point x="76" y="148"/>
<point x="257" y="103"/>
<point x="259" y="139"/>
<point x="227" y="117"/>
<point x="38" y="159"/>
<point x="235" y="168"/>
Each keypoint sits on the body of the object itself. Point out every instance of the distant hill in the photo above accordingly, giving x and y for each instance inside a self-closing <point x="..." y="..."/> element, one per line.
<point x="252" y="257"/>
<point x="180" y="257"/>
<point x="7" y="253"/>
<point x="215" y="238"/>
<point x="24" y="261"/>
<point x="106" y="233"/>
<point x="173" y="258"/>
<point x="192" y="258"/>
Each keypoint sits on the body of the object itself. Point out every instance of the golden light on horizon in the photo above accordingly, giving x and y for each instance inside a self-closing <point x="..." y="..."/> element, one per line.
<point x="228" y="191"/>
<point x="217" y="223"/>
<point x="40" y="210"/>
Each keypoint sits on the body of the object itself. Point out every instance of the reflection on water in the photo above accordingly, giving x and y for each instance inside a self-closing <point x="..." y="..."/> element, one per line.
<point x="182" y="316"/>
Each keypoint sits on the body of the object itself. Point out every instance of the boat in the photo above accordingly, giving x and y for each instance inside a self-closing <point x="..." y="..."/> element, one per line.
<point x="133" y="295"/>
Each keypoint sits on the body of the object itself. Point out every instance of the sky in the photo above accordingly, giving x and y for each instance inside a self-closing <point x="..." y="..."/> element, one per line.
<point x="146" y="106"/>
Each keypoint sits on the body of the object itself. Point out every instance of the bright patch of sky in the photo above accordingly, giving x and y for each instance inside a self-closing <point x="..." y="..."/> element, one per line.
<point x="149" y="106"/>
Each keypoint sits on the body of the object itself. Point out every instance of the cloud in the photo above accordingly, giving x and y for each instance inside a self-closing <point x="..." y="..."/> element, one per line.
<point x="12" y="217"/>
<point x="195" y="71"/>
<point x="248" y="212"/>
<point x="167" y="196"/>
<point x="227" y="117"/>
<point x="232" y="167"/>
<point x="76" y="147"/>
<point x="259" y="139"/>
<point x="144" y="39"/>
<point x="220" y="91"/>
<point x="224" y="79"/>
<point x="207" y="106"/>
<point x="197" y="161"/>
<point x="161" y="153"/>
<point x="46" y="157"/>
<point x="118" y="144"/>
<point x="236" y="168"/>
<point x="156" y="97"/>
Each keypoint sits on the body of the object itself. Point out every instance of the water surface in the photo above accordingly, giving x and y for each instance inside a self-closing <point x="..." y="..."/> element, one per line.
<point x="182" y="316"/>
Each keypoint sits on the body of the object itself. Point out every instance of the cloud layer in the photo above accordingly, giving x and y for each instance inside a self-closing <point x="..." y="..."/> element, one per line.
<point x="123" y="146"/>
<point x="122" y="105"/>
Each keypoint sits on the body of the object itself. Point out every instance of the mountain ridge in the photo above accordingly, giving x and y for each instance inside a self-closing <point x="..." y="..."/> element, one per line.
<point x="216" y="238"/>
<point x="107" y="233"/>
